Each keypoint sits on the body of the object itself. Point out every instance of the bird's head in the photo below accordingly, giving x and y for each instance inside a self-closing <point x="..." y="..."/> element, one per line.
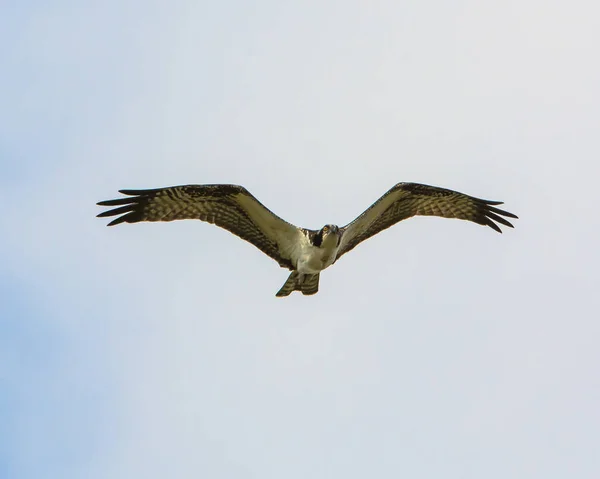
<point x="327" y="234"/>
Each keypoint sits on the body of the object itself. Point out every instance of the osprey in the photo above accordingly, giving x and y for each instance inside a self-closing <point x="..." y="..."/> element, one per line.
<point x="304" y="251"/>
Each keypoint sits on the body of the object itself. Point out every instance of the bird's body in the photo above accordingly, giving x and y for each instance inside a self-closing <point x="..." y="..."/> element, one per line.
<point x="313" y="258"/>
<point x="304" y="251"/>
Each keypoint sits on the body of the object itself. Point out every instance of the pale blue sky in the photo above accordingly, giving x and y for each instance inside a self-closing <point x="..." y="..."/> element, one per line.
<point x="436" y="349"/>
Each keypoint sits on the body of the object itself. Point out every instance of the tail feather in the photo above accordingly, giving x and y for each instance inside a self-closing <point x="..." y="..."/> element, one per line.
<point x="306" y="283"/>
<point x="289" y="285"/>
<point x="310" y="285"/>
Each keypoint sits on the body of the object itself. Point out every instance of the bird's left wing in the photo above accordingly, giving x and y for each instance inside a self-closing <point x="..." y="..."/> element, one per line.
<point x="405" y="200"/>
<point x="231" y="207"/>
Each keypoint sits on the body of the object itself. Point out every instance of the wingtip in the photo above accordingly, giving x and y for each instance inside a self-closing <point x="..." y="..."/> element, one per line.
<point x="495" y="227"/>
<point x="115" y="222"/>
<point x="129" y="192"/>
<point x="112" y="223"/>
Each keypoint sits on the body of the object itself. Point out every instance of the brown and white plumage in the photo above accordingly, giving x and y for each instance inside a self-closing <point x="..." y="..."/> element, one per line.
<point x="304" y="251"/>
<point x="231" y="207"/>
<point x="406" y="200"/>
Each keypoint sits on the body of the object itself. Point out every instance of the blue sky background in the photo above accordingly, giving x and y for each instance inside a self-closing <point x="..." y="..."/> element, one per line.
<point x="436" y="349"/>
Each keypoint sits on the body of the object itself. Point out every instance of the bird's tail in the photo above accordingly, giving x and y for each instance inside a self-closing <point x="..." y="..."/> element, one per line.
<point x="306" y="283"/>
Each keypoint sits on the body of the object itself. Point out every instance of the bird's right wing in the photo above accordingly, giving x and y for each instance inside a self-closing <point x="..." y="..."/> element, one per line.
<point x="231" y="207"/>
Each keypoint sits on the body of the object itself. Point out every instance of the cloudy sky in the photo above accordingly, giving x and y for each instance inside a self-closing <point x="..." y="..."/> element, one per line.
<point x="436" y="349"/>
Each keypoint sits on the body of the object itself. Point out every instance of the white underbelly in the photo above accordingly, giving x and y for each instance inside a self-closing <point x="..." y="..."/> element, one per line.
<point x="315" y="260"/>
<point x="310" y="259"/>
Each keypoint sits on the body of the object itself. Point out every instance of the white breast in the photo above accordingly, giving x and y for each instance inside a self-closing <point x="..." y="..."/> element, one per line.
<point x="312" y="259"/>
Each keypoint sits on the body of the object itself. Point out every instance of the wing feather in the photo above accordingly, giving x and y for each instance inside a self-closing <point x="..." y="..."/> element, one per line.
<point x="231" y="207"/>
<point x="406" y="200"/>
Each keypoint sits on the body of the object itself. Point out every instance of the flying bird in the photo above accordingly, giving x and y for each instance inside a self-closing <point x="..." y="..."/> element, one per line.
<point x="304" y="251"/>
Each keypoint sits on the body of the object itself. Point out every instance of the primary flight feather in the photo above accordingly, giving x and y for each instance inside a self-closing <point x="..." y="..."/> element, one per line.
<point x="304" y="251"/>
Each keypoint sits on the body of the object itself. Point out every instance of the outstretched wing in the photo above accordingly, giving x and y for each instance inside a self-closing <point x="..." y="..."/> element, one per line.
<point x="231" y="207"/>
<point x="411" y="199"/>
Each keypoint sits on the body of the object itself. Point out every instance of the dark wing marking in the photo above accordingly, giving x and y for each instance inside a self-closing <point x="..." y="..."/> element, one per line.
<point x="411" y="199"/>
<point x="231" y="207"/>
